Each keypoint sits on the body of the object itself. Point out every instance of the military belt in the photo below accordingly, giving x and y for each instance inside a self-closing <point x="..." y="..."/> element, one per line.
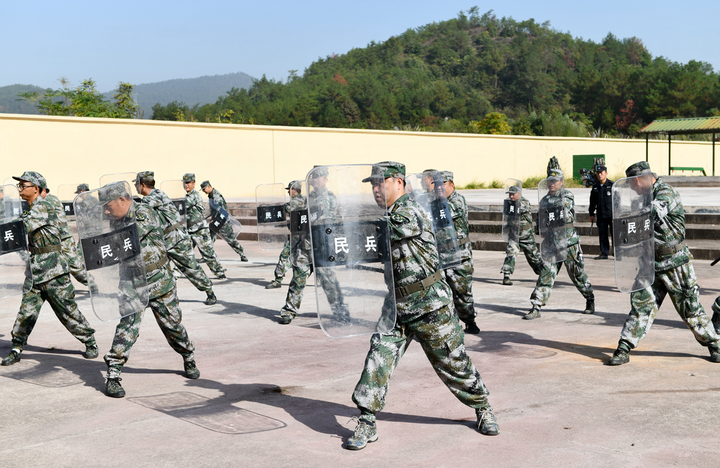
<point x="157" y="265"/>
<point x="404" y="291"/>
<point x="48" y="249"/>
<point x="662" y="251"/>
<point x="460" y="243"/>
<point x="569" y="226"/>
<point x="166" y="231"/>
<point x="195" y="223"/>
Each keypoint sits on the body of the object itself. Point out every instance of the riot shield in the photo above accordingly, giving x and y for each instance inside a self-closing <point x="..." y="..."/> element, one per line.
<point x="128" y="177"/>
<point x="222" y="223"/>
<point x="175" y="190"/>
<point x="551" y="220"/>
<point x="111" y="250"/>
<point x="66" y="194"/>
<point x="300" y="246"/>
<point x="633" y="237"/>
<point x="350" y="239"/>
<point x="428" y="190"/>
<point x="272" y="226"/>
<point x="14" y="255"/>
<point x="511" y="210"/>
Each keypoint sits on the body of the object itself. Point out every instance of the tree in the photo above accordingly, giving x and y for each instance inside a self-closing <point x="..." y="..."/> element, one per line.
<point x="84" y="101"/>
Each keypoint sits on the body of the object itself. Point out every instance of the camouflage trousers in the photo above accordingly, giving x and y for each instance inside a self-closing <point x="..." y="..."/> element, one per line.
<point x="575" y="266"/>
<point x="168" y="315"/>
<point x="75" y="260"/>
<point x="532" y="255"/>
<point x="283" y="263"/>
<point x="226" y="233"/>
<point x="442" y="338"/>
<point x="680" y="284"/>
<point x="296" y="289"/>
<point x="325" y="278"/>
<point x="60" y="293"/>
<point x="201" y="239"/>
<point x="460" y="281"/>
<point x="184" y="258"/>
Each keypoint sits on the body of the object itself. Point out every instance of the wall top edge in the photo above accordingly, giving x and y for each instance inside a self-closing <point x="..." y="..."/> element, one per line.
<point x="278" y="128"/>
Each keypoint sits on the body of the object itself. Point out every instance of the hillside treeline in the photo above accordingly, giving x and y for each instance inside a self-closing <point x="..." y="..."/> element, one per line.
<point x="477" y="73"/>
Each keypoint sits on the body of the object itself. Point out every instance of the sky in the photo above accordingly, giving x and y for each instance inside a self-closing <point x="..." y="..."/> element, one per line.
<point x="156" y="40"/>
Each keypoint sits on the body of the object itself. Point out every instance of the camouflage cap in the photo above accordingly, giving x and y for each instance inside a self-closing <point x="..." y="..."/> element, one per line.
<point x="319" y="171"/>
<point x="555" y="174"/>
<point x="205" y="183"/>
<point x="189" y="177"/>
<point x="513" y="189"/>
<point x="82" y="188"/>
<point x="112" y="191"/>
<point x="447" y="176"/>
<point x="33" y="177"/>
<point x="295" y="185"/>
<point x="144" y="176"/>
<point x="639" y="168"/>
<point x="385" y="169"/>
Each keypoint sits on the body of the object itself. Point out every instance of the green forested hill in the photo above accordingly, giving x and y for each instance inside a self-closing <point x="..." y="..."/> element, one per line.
<point x="9" y="103"/>
<point x="448" y="76"/>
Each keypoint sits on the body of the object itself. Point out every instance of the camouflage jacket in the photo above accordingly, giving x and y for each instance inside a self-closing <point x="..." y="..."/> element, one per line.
<point x="527" y="236"/>
<point x="168" y="215"/>
<point x="218" y="198"/>
<point x="152" y="245"/>
<point x="43" y="230"/>
<point x="669" y="226"/>
<point x="459" y="212"/>
<point x="195" y="211"/>
<point x="60" y="213"/>
<point x="324" y="203"/>
<point x="414" y="258"/>
<point x="569" y="212"/>
<point x="300" y="246"/>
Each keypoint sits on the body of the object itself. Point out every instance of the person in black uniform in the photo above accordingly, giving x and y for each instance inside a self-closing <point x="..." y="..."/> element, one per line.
<point x="601" y="198"/>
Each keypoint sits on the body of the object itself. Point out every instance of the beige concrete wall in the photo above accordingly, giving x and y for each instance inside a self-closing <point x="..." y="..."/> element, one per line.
<point x="236" y="158"/>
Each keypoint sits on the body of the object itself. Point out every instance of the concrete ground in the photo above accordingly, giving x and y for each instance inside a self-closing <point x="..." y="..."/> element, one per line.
<point x="280" y="395"/>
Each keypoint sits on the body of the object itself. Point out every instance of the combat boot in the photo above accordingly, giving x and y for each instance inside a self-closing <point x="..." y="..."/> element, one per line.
<point x="365" y="432"/>
<point x="486" y="422"/>
<point x="11" y="358"/>
<point x="506" y="280"/>
<point x="472" y="328"/>
<point x="589" y="306"/>
<point x="714" y="352"/>
<point x="113" y="388"/>
<point x="274" y="284"/>
<point x="243" y="258"/>
<point x="533" y="314"/>
<point x="716" y="319"/>
<point x="285" y="318"/>
<point x="221" y="275"/>
<point x="91" y="350"/>
<point x="211" y="298"/>
<point x="621" y="355"/>
<point x="191" y="370"/>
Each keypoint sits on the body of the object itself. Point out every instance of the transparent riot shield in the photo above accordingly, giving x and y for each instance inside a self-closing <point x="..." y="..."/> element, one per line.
<point x="66" y="194"/>
<point x="222" y="223"/>
<point x="175" y="190"/>
<point x="300" y="246"/>
<point x="351" y="252"/>
<point x="551" y="220"/>
<point x="428" y="190"/>
<point x="111" y="250"/>
<point x="272" y="225"/>
<point x="14" y="255"/>
<point x="511" y="210"/>
<point x="128" y="177"/>
<point x="633" y="237"/>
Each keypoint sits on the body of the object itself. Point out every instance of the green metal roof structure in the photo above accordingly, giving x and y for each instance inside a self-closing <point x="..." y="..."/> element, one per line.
<point x="689" y="126"/>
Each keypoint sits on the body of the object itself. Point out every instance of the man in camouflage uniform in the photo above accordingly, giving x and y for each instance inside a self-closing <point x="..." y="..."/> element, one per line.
<point x="161" y="284"/>
<point x="459" y="278"/>
<point x="294" y="188"/>
<point x="574" y="264"/>
<point x="82" y="188"/>
<point x="198" y="228"/>
<point x="225" y="231"/>
<point x="178" y="243"/>
<point x="525" y="241"/>
<point x="50" y="274"/>
<point x="674" y="274"/>
<point x="69" y="249"/>
<point x="425" y="313"/>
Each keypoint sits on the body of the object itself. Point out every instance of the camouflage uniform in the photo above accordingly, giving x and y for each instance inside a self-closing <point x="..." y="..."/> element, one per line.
<point x="50" y="276"/>
<point x="226" y="231"/>
<point x="526" y="243"/>
<point x="459" y="278"/>
<point x="163" y="297"/>
<point x="674" y="274"/>
<point x="300" y="260"/>
<point x="574" y="263"/>
<point x="426" y="315"/>
<point x="178" y="243"/>
<point x="199" y="232"/>
<point x="69" y="249"/>
<point x="283" y="262"/>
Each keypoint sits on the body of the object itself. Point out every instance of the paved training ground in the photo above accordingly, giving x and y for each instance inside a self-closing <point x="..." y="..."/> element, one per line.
<point x="279" y="395"/>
